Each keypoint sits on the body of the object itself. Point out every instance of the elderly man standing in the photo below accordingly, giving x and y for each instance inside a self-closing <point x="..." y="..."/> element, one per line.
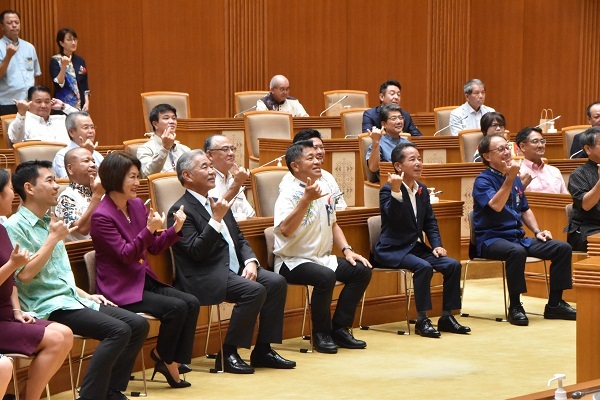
<point x="593" y="113"/>
<point x="77" y="202"/>
<point x="544" y="178"/>
<point x="468" y="116"/>
<point x="18" y="63"/>
<point x="82" y="131"/>
<point x="161" y="152"/>
<point x="389" y="93"/>
<point x="33" y="120"/>
<point x="279" y="98"/>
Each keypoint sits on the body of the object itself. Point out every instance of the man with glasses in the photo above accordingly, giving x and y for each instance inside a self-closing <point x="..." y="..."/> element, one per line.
<point x="280" y="100"/>
<point x="229" y="176"/>
<point x="161" y="152"/>
<point x="544" y="178"/>
<point x="468" y="116"/>
<point x="82" y="131"/>
<point x="500" y="209"/>
<point x="389" y="93"/>
<point x="33" y="120"/>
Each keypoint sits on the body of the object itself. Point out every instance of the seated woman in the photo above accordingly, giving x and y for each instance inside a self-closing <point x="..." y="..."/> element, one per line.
<point x="494" y="122"/>
<point x="123" y="231"/>
<point x="50" y="342"/>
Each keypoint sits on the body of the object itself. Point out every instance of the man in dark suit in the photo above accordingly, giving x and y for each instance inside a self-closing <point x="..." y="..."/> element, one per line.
<point x="405" y="214"/>
<point x="389" y="93"/>
<point x="215" y="263"/>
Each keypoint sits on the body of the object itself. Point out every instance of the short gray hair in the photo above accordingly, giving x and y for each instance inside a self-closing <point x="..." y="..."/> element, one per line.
<point x="71" y="120"/>
<point x="468" y="88"/>
<point x="187" y="162"/>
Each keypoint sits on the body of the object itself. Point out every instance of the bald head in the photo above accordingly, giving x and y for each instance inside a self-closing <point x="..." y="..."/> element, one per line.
<point x="80" y="165"/>
<point x="280" y="88"/>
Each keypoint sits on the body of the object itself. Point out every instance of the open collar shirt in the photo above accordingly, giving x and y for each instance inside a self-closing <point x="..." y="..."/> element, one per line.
<point x="546" y="178"/>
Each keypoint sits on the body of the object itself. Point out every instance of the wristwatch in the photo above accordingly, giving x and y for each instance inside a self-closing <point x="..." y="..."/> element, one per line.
<point x="346" y="248"/>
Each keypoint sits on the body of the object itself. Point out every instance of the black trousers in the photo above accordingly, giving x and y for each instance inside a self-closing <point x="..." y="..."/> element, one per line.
<point x="178" y="315"/>
<point x="515" y="254"/>
<point x="355" y="278"/>
<point x="121" y="334"/>
<point x="421" y="261"/>
<point x="265" y="296"/>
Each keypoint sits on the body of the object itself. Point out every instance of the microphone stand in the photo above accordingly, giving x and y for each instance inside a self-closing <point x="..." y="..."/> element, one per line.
<point x="331" y="106"/>
<point x="242" y="112"/>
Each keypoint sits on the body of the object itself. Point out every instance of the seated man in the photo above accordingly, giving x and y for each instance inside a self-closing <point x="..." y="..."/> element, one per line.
<point x="468" y="116"/>
<point x="544" y="178"/>
<point x="82" y="132"/>
<point x="47" y="288"/>
<point x="326" y="178"/>
<point x="33" y="120"/>
<point x="386" y="139"/>
<point x="77" y="202"/>
<point x="405" y="214"/>
<point x="221" y="153"/>
<point x="593" y="113"/>
<point x="305" y="230"/>
<point x="161" y="152"/>
<point x="389" y="93"/>
<point x="215" y="263"/>
<point x="279" y="98"/>
<point x="500" y="209"/>
<point x="585" y="190"/>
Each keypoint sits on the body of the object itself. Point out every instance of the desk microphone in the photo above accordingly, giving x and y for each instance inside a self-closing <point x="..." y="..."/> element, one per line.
<point x="579" y="394"/>
<point x="574" y="154"/>
<point x="449" y="125"/>
<point x="547" y="122"/>
<point x="278" y="159"/>
<point x="242" y="112"/>
<point x="344" y="97"/>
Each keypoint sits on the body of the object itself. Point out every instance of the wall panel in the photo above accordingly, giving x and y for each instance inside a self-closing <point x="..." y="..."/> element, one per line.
<point x="589" y="65"/>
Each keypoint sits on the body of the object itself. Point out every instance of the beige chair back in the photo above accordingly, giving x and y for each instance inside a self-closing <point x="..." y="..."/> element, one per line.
<point x="352" y="121"/>
<point x="374" y="226"/>
<point x="131" y="146"/>
<point x="36" y="150"/>
<point x="181" y="102"/>
<point x="355" y="99"/>
<point x="271" y="124"/>
<point x="6" y="120"/>
<point x="90" y="266"/>
<point x="265" y="188"/>
<point x="364" y="141"/>
<point x="468" y="141"/>
<point x="442" y="118"/>
<point x="63" y="183"/>
<point x="247" y="100"/>
<point x="569" y="133"/>
<point x="165" y="189"/>
<point x="270" y="240"/>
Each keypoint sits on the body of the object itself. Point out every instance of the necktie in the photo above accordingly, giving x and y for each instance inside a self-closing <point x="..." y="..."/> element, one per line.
<point x="234" y="264"/>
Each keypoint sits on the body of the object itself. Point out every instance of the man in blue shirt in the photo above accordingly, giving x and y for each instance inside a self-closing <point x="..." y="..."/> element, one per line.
<point x="500" y="209"/>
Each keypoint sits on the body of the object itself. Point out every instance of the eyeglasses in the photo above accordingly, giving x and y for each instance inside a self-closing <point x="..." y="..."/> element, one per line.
<point x="497" y="125"/>
<point x="72" y="40"/>
<point x="88" y="127"/>
<point x="395" y="118"/>
<point x="536" y="141"/>
<point x="502" y="149"/>
<point x="226" y="149"/>
<point x="283" y="89"/>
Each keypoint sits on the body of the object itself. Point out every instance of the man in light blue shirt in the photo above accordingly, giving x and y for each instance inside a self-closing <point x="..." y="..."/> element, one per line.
<point x="47" y="287"/>
<point x="18" y="63"/>
<point x="468" y="116"/>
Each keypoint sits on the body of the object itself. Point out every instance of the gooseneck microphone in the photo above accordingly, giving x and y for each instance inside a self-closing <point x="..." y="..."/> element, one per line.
<point x="344" y="97"/>
<point x="242" y="112"/>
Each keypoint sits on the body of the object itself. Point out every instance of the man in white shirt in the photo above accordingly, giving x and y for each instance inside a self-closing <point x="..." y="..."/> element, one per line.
<point x="161" y="152"/>
<point x="468" y="116"/>
<point x="280" y="100"/>
<point x="221" y="152"/>
<point x="82" y="131"/>
<point x="34" y="122"/>
<point x="305" y="231"/>
<point x="77" y="202"/>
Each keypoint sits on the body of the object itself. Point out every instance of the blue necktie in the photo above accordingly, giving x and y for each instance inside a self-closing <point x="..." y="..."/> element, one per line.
<point x="234" y="264"/>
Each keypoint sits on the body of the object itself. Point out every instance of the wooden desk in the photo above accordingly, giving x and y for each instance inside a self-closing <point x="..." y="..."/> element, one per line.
<point x="549" y="394"/>
<point x="438" y="149"/>
<point x="586" y="280"/>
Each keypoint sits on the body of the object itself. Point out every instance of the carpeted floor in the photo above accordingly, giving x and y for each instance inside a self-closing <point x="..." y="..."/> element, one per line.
<point x="496" y="361"/>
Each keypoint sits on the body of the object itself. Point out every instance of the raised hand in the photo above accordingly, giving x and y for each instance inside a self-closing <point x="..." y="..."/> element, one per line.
<point x="219" y="208"/>
<point x="168" y="137"/>
<point x="22" y="106"/>
<point x="87" y="144"/>
<point x="96" y="185"/>
<point x="64" y="61"/>
<point x="56" y="104"/>
<point x="11" y="49"/>
<point x="19" y="257"/>
<point x="376" y="134"/>
<point x="155" y="220"/>
<point x="180" y="217"/>
<point x="395" y="181"/>
<point x="240" y="174"/>
<point x="313" y="191"/>
<point x="512" y="168"/>
<point x="58" y="228"/>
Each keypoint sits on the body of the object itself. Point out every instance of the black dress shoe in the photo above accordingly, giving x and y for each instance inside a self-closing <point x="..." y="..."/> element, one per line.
<point x="516" y="316"/>
<point x="234" y="364"/>
<point x="270" y="359"/>
<point x="343" y="338"/>
<point x="323" y="343"/>
<point x="184" y="369"/>
<point x="562" y="311"/>
<point x="450" y="324"/>
<point x="426" y="329"/>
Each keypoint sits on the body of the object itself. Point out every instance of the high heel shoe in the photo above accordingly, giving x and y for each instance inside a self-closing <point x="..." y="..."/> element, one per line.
<point x="161" y="368"/>
<point x="183" y="368"/>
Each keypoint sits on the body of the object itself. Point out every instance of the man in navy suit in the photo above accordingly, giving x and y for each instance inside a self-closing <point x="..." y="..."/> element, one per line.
<point x="389" y="93"/>
<point x="405" y="214"/>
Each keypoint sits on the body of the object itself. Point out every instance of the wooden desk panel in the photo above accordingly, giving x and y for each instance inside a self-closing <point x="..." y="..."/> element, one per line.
<point x="438" y="149"/>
